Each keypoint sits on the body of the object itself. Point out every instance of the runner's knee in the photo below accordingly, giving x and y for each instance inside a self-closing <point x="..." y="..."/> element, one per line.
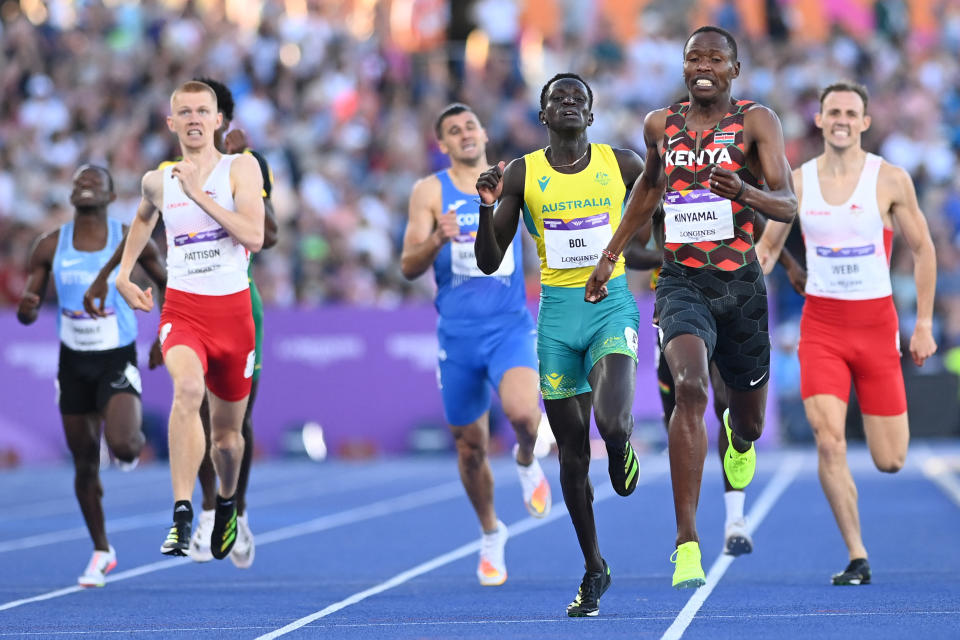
<point x="128" y="446"/>
<point x="188" y="393"/>
<point x="831" y="446"/>
<point x="691" y="392"/>
<point x="471" y="447"/>
<point x="889" y="462"/>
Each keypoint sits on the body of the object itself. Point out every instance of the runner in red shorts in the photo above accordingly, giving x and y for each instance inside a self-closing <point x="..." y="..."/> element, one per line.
<point x="849" y="330"/>
<point x="213" y="213"/>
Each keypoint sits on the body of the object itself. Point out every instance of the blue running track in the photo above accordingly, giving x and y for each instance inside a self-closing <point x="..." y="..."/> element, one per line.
<point x="387" y="549"/>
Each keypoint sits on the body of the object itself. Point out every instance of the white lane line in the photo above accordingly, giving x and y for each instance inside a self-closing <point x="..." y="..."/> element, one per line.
<point x="527" y="524"/>
<point x="134" y="483"/>
<point x="255" y="499"/>
<point x="405" y="502"/>
<point x="785" y="474"/>
<point x="940" y="472"/>
<point x="534" y="621"/>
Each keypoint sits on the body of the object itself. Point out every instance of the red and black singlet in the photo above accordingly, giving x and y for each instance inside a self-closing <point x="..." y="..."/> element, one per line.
<point x="688" y="157"/>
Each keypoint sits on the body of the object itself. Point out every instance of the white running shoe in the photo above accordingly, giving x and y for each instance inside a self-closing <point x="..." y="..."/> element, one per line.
<point x="200" y="541"/>
<point x="737" y="540"/>
<point x="492" y="570"/>
<point x="127" y="466"/>
<point x="101" y="563"/>
<point x="536" y="490"/>
<point x="244" y="548"/>
<point x="545" y="438"/>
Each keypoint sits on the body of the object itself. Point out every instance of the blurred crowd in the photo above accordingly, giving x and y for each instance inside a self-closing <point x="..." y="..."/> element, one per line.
<point x="340" y="96"/>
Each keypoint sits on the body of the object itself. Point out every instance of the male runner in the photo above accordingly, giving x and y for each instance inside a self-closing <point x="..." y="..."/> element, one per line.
<point x="243" y="552"/>
<point x="214" y="217"/>
<point x="736" y="539"/>
<point x="710" y="154"/>
<point x="570" y="195"/>
<point x="485" y="331"/>
<point x="97" y="382"/>
<point x="848" y="201"/>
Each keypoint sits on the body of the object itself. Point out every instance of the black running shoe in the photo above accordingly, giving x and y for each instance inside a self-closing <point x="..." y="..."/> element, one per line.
<point x="624" y="469"/>
<point x="178" y="539"/>
<point x="224" y="528"/>
<point x="857" y="572"/>
<point x="587" y="602"/>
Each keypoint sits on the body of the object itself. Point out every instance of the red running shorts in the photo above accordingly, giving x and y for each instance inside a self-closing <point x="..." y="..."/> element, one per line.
<point x="220" y="330"/>
<point x="842" y="340"/>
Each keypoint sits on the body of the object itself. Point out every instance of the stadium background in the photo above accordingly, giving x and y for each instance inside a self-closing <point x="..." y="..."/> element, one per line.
<point x="340" y="96"/>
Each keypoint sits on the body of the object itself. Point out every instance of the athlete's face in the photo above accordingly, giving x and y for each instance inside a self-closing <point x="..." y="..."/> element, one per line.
<point x="194" y="118"/>
<point x="708" y="66"/>
<point x="91" y="188"/>
<point x="842" y="119"/>
<point x="463" y="138"/>
<point x="568" y="106"/>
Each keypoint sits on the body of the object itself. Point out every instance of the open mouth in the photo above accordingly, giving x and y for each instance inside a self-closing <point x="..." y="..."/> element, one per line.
<point x="704" y="83"/>
<point x="841" y="132"/>
<point x="85" y="193"/>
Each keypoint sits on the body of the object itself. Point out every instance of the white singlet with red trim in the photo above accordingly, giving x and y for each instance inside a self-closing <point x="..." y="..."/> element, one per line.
<point x="847" y="244"/>
<point x="202" y="258"/>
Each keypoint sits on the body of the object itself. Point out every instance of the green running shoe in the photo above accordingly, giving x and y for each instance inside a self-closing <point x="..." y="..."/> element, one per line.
<point x="587" y="602"/>
<point x="688" y="573"/>
<point x="739" y="467"/>
<point x="624" y="469"/>
<point x="224" y="532"/>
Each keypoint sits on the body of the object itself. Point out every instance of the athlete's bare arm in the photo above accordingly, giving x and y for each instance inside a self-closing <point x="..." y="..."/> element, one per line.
<point x="39" y="266"/>
<point x="96" y="293"/>
<point x="428" y="228"/>
<point x="496" y="230"/>
<point x="151" y="203"/>
<point x="764" y="135"/>
<point x="245" y="224"/>
<point x="906" y="210"/>
<point x="644" y="197"/>
<point x="771" y="244"/>
<point x="795" y="273"/>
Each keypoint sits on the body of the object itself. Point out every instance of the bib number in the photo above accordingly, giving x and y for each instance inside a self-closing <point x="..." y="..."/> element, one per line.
<point x="463" y="259"/>
<point x="80" y="332"/>
<point x="576" y="243"/>
<point x="697" y="215"/>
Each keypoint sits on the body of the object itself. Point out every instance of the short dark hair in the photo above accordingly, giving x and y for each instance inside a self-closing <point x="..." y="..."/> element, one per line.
<point x="224" y="96"/>
<point x="564" y="76"/>
<point x="451" y="109"/>
<point x="853" y="87"/>
<point x="731" y="41"/>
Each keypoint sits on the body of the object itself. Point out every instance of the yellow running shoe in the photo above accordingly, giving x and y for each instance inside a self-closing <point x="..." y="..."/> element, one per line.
<point x="688" y="573"/>
<point x="739" y="467"/>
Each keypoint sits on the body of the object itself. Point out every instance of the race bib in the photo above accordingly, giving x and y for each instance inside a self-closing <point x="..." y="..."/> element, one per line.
<point x="847" y="270"/>
<point x="463" y="258"/>
<point x="205" y="251"/>
<point x="571" y="244"/>
<point x="81" y="332"/>
<point x="697" y="215"/>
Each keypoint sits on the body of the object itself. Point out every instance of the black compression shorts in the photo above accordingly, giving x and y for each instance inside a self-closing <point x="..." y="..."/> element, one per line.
<point x="725" y="309"/>
<point x="88" y="379"/>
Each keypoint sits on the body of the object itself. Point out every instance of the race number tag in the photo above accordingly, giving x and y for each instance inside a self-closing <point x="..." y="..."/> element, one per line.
<point x="847" y="270"/>
<point x="81" y="332"/>
<point x="697" y="215"/>
<point x="575" y="243"/>
<point x="463" y="258"/>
